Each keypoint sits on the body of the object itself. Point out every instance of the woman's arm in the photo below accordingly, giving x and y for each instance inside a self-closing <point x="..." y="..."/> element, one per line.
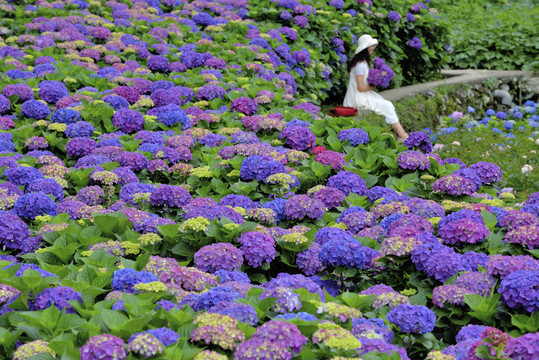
<point x="361" y="87"/>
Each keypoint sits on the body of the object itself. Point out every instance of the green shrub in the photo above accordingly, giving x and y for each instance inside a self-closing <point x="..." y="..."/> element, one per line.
<point x="410" y="65"/>
<point x="488" y="34"/>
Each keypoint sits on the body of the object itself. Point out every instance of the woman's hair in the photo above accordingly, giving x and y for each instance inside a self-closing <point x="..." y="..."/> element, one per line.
<point x="363" y="55"/>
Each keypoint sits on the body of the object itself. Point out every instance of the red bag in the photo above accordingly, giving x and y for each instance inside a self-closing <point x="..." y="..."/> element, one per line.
<point x="342" y="111"/>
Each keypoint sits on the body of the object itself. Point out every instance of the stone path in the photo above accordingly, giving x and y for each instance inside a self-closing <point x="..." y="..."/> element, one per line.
<point x="458" y="77"/>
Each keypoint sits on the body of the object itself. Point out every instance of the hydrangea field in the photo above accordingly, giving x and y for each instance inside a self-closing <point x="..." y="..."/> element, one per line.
<point x="170" y="189"/>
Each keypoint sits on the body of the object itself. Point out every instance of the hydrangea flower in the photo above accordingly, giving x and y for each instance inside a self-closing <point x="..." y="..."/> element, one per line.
<point x="32" y="348"/>
<point x="35" y="204"/>
<point x="126" y="279"/>
<point x="57" y="296"/>
<point x="348" y="182"/>
<point x="286" y="299"/>
<point x="454" y="185"/>
<point x="145" y="344"/>
<point x="325" y="234"/>
<point x="413" y="160"/>
<point x="220" y="256"/>
<point x="257" y="248"/>
<point x="170" y="195"/>
<point x="521" y="289"/>
<point x="301" y="206"/>
<point x="523" y="347"/>
<point x="217" y="329"/>
<point x="244" y="105"/>
<point x="35" y="109"/>
<point x="418" y="140"/>
<point x="340" y="252"/>
<point x="129" y="121"/>
<point x="103" y="346"/>
<point x="488" y="172"/>
<point x="355" y="136"/>
<point x="298" y="137"/>
<point x="464" y="231"/>
<point x="415" y="319"/>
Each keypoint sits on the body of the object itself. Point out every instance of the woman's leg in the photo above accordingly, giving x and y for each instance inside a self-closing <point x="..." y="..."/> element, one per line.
<point x="397" y="127"/>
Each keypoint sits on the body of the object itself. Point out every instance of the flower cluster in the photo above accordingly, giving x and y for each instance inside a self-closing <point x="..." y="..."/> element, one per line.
<point x="381" y="74"/>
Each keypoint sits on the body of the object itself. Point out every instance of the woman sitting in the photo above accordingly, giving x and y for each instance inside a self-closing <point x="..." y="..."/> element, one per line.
<point x="361" y="95"/>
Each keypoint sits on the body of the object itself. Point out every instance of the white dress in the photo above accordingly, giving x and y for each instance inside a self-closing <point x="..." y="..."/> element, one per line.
<point x="368" y="100"/>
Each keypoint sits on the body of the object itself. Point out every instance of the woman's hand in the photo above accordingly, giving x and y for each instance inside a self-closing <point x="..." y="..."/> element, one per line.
<point x="361" y="87"/>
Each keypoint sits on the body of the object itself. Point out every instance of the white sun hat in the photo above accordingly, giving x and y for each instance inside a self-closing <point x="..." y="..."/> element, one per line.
<point x="364" y="42"/>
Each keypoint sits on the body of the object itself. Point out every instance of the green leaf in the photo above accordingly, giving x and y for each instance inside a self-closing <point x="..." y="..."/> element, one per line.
<point x="490" y="219"/>
<point x="526" y="324"/>
<point x="113" y="319"/>
<point x="69" y="322"/>
<point x="113" y="223"/>
<point x="371" y="180"/>
<point x="483" y="308"/>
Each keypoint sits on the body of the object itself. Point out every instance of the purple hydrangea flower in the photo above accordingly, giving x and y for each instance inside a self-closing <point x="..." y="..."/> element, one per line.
<point x="257" y="248"/>
<point x="103" y="346"/>
<point x="355" y="136"/>
<point x="308" y="261"/>
<point x="51" y="91"/>
<point x="394" y="16"/>
<point x="244" y="105"/>
<point x="210" y="92"/>
<point x="415" y="319"/>
<point x="299" y="207"/>
<point x="80" y="146"/>
<point x="488" y="172"/>
<point x="340" y="252"/>
<point x="67" y="116"/>
<point x="145" y="344"/>
<point x="165" y="335"/>
<point x="419" y="140"/>
<point x="449" y="294"/>
<point x="415" y="43"/>
<point x="220" y="256"/>
<point x="502" y="266"/>
<point x="521" y="289"/>
<point x="170" y="195"/>
<point x="348" y="182"/>
<point x="241" y="312"/>
<point x="454" y="185"/>
<point x="524" y="347"/>
<point x="259" y="168"/>
<point x="23" y="91"/>
<point x="298" y="137"/>
<point x="358" y="221"/>
<point x="57" y="296"/>
<point x="210" y="298"/>
<point x="514" y="219"/>
<point x="301" y="21"/>
<point x="476" y="282"/>
<point x="129" y="121"/>
<point x="158" y="63"/>
<point x="258" y="348"/>
<point x="464" y="231"/>
<point x="79" y="129"/>
<point x="328" y="157"/>
<point x="413" y="160"/>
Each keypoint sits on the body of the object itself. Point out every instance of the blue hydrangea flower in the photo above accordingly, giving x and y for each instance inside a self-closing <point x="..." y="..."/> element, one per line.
<point x="35" y="204"/>
<point x="125" y="279"/>
<point x="415" y="319"/>
<point x="35" y="109"/>
<point x="342" y="252"/>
